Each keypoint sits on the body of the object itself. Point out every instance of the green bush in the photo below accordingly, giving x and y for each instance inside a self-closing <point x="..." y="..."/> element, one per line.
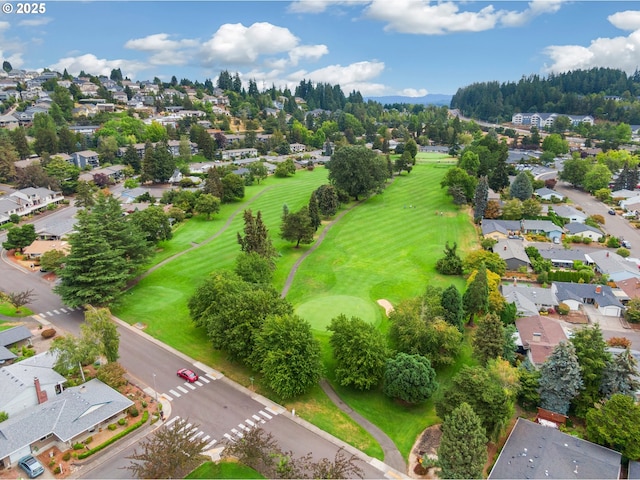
<point x="122" y="421"/>
<point x="88" y="440"/>
<point x="78" y="446"/>
<point x="67" y="456"/>
<point x="144" y="404"/>
<point x="563" y="309"/>
<point x="118" y="436"/>
<point x="133" y="411"/>
<point x="112" y="426"/>
<point x="57" y="470"/>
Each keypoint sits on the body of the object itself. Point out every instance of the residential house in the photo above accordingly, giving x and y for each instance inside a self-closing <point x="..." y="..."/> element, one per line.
<point x="529" y="300"/>
<point x="583" y="230"/>
<point x="56" y="230"/>
<point x="114" y="172"/>
<point x="631" y="203"/>
<point x="8" y="121"/>
<point x="562" y="257"/>
<point x="239" y="153"/>
<point x="68" y="418"/>
<point x="500" y="229"/>
<point x="617" y="268"/>
<point x="544" y="227"/>
<point x="512" y="252"/>
<point x="543" y="120"/>
<point x="85" y="158"/>
<point x="12" y="337"/>
<point x="624" y="194"/>
<point x="572" y="214"/>
<point x="577" y="295"/>
<point x="40" y="247"/>
<point x="120" y="97"/>
<point x="549" y="195"/>
<point x="539" y="337"/>
<point x="26" y="201"/>
<point x="297" y="147"/>
<point x="535" y="451"/>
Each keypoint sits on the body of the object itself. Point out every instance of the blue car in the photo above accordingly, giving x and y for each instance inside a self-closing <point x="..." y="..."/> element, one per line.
<point x="32" y="466"/>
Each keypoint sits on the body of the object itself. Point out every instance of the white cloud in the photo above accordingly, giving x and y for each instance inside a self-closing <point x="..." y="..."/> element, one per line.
<point x="629" y="20"/>
<point x="618" y="52"/>
<point x="4" y="26"/>
<point x="319" y="6"/>
<point x="15" y="59"/>
<point x="307" y="52"/>
<point x="164" y="50"/>
<point x="97" y="66"/>
<point x="237" y="44"/>
<point x="412" y="92"/>
<point x="35" y="22"/>
<point x="536" y="7"/>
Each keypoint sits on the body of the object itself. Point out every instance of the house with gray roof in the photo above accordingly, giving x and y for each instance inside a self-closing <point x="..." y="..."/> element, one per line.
<point x="535" y="451"/>
<point x="542" y="227"/>
<point x="624" y="193"/>
<point x="498" y="229"/>
<point x="548" y="194"/>
<point x="12" y="337"/>
<point x="62" y="421"/>
<point x="529" y="300"/>
<point x="512" y="252"/>
<point x="26" y="201"/>
<point x="576" y="295"/>
<point x="562" y="257"/>
<point x="18" y="389"/>
<point x="85" y="158"/>
<point x="578" y="229"/>
<point x="56" y="230"/>
<point x="616" y="267"/>
<point x="572" y="214"/>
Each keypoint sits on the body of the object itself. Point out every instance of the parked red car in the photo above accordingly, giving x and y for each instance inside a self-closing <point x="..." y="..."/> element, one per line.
<point x="188" y="375"/>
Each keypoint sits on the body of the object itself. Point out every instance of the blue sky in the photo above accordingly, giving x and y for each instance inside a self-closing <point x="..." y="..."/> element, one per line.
<point x="379" y="47"/>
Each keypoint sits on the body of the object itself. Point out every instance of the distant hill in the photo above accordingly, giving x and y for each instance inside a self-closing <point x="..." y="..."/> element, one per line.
<point x="430" y="99"/>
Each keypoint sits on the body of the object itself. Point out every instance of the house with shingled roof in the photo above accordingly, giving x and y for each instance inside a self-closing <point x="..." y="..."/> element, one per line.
<point x="539" y="337"/>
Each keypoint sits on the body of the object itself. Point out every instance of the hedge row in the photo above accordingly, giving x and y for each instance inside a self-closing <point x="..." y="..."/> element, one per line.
<point x="570" y="276"/>
<point x="118" y="436"/>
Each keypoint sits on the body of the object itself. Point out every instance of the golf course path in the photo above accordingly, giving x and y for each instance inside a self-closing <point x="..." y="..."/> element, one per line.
<point x="392" y="455"/>
<point x="195" y="245"/>
<point x="294" y="268"/>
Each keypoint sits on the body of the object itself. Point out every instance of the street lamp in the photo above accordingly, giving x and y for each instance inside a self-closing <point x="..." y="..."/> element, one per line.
<point x="155" y="392"/>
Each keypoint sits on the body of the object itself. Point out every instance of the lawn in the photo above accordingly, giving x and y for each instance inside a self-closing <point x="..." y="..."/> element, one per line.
<point x="9" y="310"/>
<point x="223" y="470"/>
<point x="384" y="248"/>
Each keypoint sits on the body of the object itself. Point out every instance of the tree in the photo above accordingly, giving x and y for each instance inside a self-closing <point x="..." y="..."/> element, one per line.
<point x="499" y="177"/>
<point x="616" y="425"/>
<point x="52" y="260"/>
<point x="453" y="310"/>
<point x="476" y="296"/>
<point x="327" y="199"/>
<point x="488" y="340"/>
<point x="480" y="199"/>
<point x="470" y="162"/>
<point x="171" y="452"/>
<point x="288" y="355"/>
<point x="20" y="299"/>
<point x="492" y="210"/>
<point x="314" y="212"/>
<point x="254" y="268"/>
<point x="512" y="209"/>
<point x="8" y="157"/>
<point x="462" y="452"/>
<point x="528" y="393"/>
<point x="207" y="204"/>
<point x="531" y="208"/>
<point x="521" y="188"/>
<point x="593" y="357"/>
<point x="232" y="187"/>
<point x="285" y="169"/>
<point x="357" y="170"/>
<point x="619" y="376"/>
<point x="359" y="350"/>
<point x="555" y="144"/>
<point x="101" y="330"/>
<point x="451" y="263"/>
<point x="153" y="222"/>
<point x="256" y="237"/>
<point x="214" y="306"/>
<point x="213" y="183"/>
<point x="459" y="180"/>
<point x="84" y="197"/>
<point x="560" y="379"/>
<point x="6" y="66"/>
<point x="484" y="393"/>
<point x="44" y="131"/>
<point x="491" y="260"/>
<point x="574" y="170"/>
<point x="596" y="178"/>
<point x="409" y="378"/>
<point x="20" y="237"/>
<point x="113" y="374"/>
<point x="73" y="353"/>
<point x="297" y="227"/>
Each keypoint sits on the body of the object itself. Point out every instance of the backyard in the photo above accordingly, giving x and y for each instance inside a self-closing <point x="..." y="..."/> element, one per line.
<point x="382" y="249"/>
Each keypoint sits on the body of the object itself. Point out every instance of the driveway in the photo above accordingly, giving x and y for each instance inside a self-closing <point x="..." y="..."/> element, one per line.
<point x="611" y="324"/>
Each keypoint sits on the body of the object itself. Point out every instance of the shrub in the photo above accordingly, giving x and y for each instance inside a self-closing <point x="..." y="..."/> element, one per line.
<point x="52" y="462"/>
<point x="131" y="428"/>
<point x="67" y="456"/>
<point x="563" y="309"/>
<point x="587" y="240"/>
<point x="621" y="342"/>
<point x="122" y="421"/>
<point x="57" y="470"/>
<point x="78" y="446"/>
<point x="112" y="426"/>
<point x="623" y="252"/>
<point x="48" y="333"/>
<point x="88" y="440"/>
<point x="144" y="404"/>
<point x="133" y="411"/>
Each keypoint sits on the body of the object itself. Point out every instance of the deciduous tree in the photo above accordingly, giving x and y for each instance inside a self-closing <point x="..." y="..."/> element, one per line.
<point x="20" y="237"/>
<point x="207" y="204"/>
<point x="593" y="357"/>
<point x="357" y="170"/>
<point x="98" y="328"/>
<point x="488" y="340"/>
<point x="409" y="378"/>
<point x="616" y="425"/>
<point x="297" y="227"/>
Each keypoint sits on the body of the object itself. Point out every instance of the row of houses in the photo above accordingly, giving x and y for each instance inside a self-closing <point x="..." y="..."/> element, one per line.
<point x="546" y="120"/>
<point x="27" y="201"/>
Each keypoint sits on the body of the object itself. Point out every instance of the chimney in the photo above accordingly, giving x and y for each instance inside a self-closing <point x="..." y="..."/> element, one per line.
<point x="41" y="394"/>
<point x="598" y="288"/>
<point x="536" y="337"/>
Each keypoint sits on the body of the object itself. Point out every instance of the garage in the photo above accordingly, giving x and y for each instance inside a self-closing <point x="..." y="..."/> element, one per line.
<point x="611" y="311"/>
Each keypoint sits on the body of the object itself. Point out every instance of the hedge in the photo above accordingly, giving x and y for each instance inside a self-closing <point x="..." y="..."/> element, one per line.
<point x="570" y="276"/>
<point x="118" y="436"/>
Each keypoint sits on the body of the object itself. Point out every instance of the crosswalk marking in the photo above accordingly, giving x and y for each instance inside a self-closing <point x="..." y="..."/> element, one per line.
<point x="210" y="444"/>
<point x="256" y="417"/>
<point x="198" y="383"/>
<point x="63" y="310"/>
<point x="182" y="389"/>
<point x="189" y="385"/>
<point x="56" y="312"/>
<point x="200" y="433"/>
<point x="50" y="314"/>
<point x="167" y="397"/>
<point x="206" y="437"/>
<point x="271" y="410"/>
<point x="205" y="380"/>
<point x="250" y="422"/>
<point x="243" y="427"/>
<point x="265" y="415"/>
<point x="237" y="433"/>
<point x="170" y="421"/>
<point x="175" y="394"/>
<point x="228" y="437"/>
<point x="211" y="376"/>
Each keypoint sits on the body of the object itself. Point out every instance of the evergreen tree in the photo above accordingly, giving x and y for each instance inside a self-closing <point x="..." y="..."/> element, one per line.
<point x="481" y="198"/>
<point x="488" y="340"/>
<point x="476" y="296"/>
<point x="521" y="188"/>
<point x="451" y="263"/>
<point x="256" y="237"/>
<point x="164" y="163"/>
<point x="213" y="183"/>
<point x="620" y="375"/>
<point x="148" y="168"/>
<point x="453" y="310"/>
<point x="314" y="212"/>
<point x="132" y="158"/>
<point x="499" y="178"/>
<point x="409" y="378"/>
<point x="593" y="357"/>
<point x="560" y="379"/>
<point x="462" y="452"/>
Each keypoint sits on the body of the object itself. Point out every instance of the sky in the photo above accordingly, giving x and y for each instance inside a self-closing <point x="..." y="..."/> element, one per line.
<point x="376" y="47"/>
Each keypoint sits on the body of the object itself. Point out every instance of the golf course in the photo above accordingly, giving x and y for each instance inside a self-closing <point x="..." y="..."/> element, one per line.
<point x="384" y="247"/>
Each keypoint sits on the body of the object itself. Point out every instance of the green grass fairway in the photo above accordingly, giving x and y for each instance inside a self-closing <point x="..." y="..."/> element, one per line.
<point x="319" y="311"/>
<point x="223" y="470"/>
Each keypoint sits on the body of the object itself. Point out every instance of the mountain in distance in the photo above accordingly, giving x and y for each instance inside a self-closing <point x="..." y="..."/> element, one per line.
<point x="429" y="99"/>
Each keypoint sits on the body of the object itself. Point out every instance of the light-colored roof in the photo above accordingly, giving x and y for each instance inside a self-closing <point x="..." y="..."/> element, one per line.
<point x="574" y="228"/>
<point x="18" y="377"/>
<point x="611" y="263"/>
<point x="40" y="247"/>
<point x="544" y="225"/>
<point x="568" y="211"/>
<point x="508" y="249"/>
<point x="550" y="335"/>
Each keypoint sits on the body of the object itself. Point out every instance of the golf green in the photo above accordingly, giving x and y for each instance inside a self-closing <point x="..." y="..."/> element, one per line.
<point x="319" y="311"/>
